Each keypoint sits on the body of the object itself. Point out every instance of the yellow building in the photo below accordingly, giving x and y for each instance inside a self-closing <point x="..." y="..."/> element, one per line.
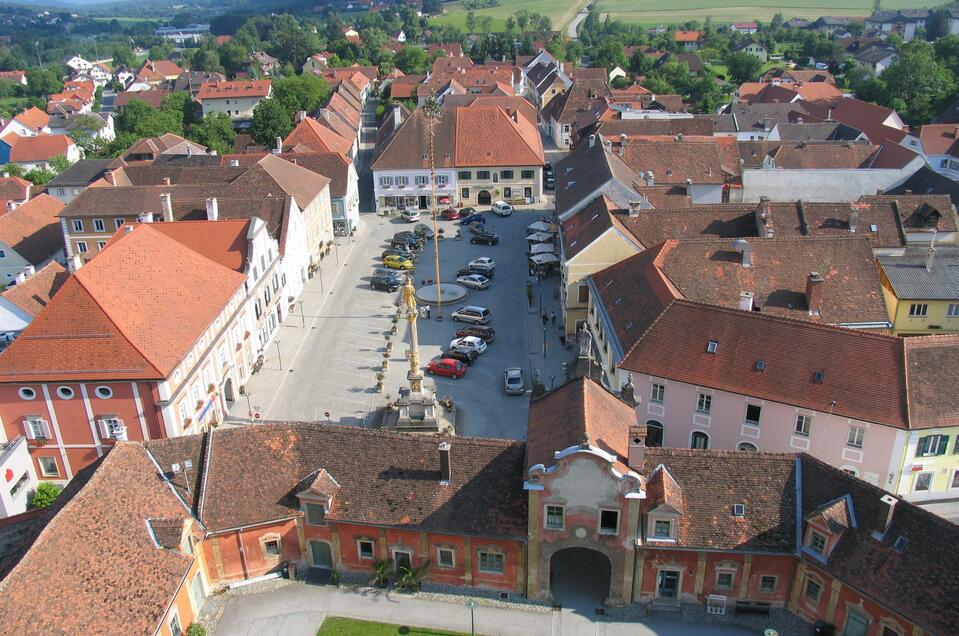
<point x="921" y="291"/>
<point x="930" y="467"/>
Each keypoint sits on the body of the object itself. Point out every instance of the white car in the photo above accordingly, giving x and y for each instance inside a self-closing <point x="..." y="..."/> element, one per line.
<point x="483" y="262"/>
<point x="502" y="208"/>
<point x="513" y="382"/>
<point x="474" y="281"/>
<point x="469" y="343"/>
<point x="410" y="216"/>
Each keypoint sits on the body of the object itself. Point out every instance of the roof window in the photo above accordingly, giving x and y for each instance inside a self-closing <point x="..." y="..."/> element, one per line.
<point x="629" y="325"/>
<point x="818" y="377"/>
<point x="739" y="510"/>
<point x="609" y="282"/>
<point x="900" y="543"/>
<point x="712" y="346"/>
<point x="618" y="301"/>
<point x="873" y="228"/>
<point x="760" y="365"/>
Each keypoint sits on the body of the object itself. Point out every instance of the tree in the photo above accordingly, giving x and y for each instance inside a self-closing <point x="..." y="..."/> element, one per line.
<point x="743" y="67"/>
<point x="270" y="120"/>
<point x="433" y="7"/>
<point x="233" y="57"/>
<point x="411" y="60"/>
<point x="215" y="131"/>
<point x="470" y="21"/>
<point x="84" y="133"/>
<point x="59" y="164"/>
<point x="8" y="88"/>
<point x="917" y="79"/>
<point x="609" y="55"/>
<point x="485" y="23"/>
<point x="140" y="120"/>
<point x="161" y="51"/>
<point x="43" y="82"/>
<point x="640" y="63"/>
<point x="291" y="42"/>
<point x="44" y="495"/>
<point x="301" y="92"/>
<point x="123" y="56"/>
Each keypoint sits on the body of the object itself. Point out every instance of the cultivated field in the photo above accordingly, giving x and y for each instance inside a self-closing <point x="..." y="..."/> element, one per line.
<point x="655" y="12"/>
<point x="560" y="11"/>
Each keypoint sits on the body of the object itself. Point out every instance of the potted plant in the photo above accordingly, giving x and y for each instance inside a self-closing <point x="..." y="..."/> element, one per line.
<point x="382" y="571"/>
<point x="386" y="362"/>
<point x="199" y="403"/>
<point x="389" y="344"/>
<point x="246" y="335"/>
<point x="379" y="381"/>
<point x="411" y="579"/>
<point x="210" y="388"/>
<point x="335" y="578"/>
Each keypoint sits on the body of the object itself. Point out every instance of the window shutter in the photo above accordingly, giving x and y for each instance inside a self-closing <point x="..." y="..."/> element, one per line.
<point x="28" y="429"/>
<point x="943" y="443"/>
<point x="923" y="447"/>
<point x="104" y="429"/>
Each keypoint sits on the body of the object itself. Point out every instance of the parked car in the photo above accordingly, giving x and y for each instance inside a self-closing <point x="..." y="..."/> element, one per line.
<point x="399" y="262"/>
<point x="469" y="343"/>
<point x="485" y="238"/>
<point x="406" y="234"/>
<point x="466" y="357"/>
<point x="467" y="211"/>
<point x="410" y="216"/>
<point x="472" y="218"/>
<point x="398" y="251"/>
<point x="486" y="333"/>
<point x="385" y="279"/>
<point x="474" y="281"/>
<point x="502" y="208"/>
<point x="549" y="182"/>
<point x="513" y="381"/>
<point x="482" y="263"/>
<point x="405" y="241"/>
<point x="446" y="367"/>
<point x="423" y="230"/>
<point x="451" y="214"/>
<point x="466" y="271"/>
<point x="472" y="313"/>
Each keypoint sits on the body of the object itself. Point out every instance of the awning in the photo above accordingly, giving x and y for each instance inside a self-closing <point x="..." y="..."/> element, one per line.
<point x="539" y="226"/>
<point x="540" y="237"/>
<point x="542" y="248"/>
<point x="543" y="259"/>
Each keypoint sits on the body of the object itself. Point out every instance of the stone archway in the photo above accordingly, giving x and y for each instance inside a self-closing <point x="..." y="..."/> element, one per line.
<point x="228" y="394"/>
<point x="579" y="578"/>
<point x="484" y="198"/>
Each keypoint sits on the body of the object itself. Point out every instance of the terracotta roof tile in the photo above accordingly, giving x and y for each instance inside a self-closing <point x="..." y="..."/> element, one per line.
<point x="33" y="294"/>
<point x="33" y="229"/>
<point x="33" y="118"/>
<point x="932" y="401"/>
<point x="229" y="90"/>
<point x="490" y="137"/>
<point x="317" y="137"/>
<point x="39" y="148"/>
<point x="223" y="241"/>
<point x="722" y="220"/>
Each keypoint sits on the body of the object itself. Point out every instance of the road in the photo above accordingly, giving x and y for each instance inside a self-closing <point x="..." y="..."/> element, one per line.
<point x="572" y="31"/>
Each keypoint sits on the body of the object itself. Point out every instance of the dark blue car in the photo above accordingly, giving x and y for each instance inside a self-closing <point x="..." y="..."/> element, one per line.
<point x="473" y="218"/>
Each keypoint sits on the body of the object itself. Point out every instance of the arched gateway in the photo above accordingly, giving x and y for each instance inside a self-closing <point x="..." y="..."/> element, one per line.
<point x="579" y="577"/>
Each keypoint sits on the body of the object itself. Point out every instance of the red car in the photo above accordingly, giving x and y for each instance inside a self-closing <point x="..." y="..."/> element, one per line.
<point x="451" y="214"/>
<point x="446" y="367"/>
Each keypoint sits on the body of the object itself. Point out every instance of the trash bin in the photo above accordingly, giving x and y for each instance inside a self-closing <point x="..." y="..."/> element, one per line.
<point x="824" y="628"/>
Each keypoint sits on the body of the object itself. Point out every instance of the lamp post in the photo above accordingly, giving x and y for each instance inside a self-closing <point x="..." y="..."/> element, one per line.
<point x="279" y="359"/>
<point x="471" y="604"/>
<point x="302" y="315"/>
<point x="249" y="405"/>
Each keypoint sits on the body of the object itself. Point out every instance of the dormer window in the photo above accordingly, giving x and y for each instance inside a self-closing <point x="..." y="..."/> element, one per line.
<point x="315" y="514"/>
<point x="663" y="529"/>
<point x="817" y="542"/>
<point x="712" y="346"/>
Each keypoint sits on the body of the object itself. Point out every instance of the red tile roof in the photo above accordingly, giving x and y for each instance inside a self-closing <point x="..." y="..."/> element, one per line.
<point x="317" y="137"/>
<point x="33" y="229"/>
<point x="687" y="36"/>
<point x="490" y="137"/>
<point x="152" y="97"/>
<point x="39" y="148"/>
<point x="230" y="90"/>
<point x="940" y="139"/>
<point x="33" y="294"/>
<point x="223" y="241"/>
<point x="33" y="118"/>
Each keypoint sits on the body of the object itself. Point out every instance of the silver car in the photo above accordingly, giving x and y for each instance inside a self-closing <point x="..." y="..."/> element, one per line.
<point x="473" y="281"/>
<point x="513" y="381"/>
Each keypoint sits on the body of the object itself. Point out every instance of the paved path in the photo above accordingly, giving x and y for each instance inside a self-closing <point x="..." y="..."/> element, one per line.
<point x="572" y="31"/>
<point x="298" y="610"/>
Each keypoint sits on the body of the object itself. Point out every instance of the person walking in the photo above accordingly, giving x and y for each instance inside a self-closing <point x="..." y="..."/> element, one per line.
<point x="552" y="317"/>
<point x="427" y="308"/>
<point x="545" y="317"/>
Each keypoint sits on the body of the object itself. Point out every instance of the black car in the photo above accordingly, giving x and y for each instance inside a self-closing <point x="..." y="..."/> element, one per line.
<point x="466" y="357"/>
<point x="475" y="270"/>
<point x="399" y="251"/>
<point x="404" y="241"/>
<point x="480" y="331"/>
<point x="385" y="280"/>
<point x="485" y="238"/>
<point x="409" y="235"/>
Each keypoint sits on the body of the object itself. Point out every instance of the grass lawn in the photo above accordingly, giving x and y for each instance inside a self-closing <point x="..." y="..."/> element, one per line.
<point x="655" y="12"/>
<point x="559" y="11"/>
<point x="338" y="626"/>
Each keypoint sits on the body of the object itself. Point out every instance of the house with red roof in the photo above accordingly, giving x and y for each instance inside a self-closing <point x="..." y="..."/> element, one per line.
<point x="237" y="98"/>
<point x="689" y="40"/>
<point x="36" y="152"/>
<point x="153" y="72"/>
<point x="20" y="303"/>
<point x="744" y="27"/>
<point x="30" y="237"/>
<point x="29" y="123"/>
<point x="17" y="77"/>
<point x="939" y="144"/>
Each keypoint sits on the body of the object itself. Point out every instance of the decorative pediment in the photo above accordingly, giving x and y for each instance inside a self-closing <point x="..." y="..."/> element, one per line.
<point x="319" y="486"/>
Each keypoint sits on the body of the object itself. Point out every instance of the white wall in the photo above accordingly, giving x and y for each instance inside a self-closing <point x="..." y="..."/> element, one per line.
<point x="235" y="107"/>
<point x="821" y="185"/>
<point x="16" y="458"/>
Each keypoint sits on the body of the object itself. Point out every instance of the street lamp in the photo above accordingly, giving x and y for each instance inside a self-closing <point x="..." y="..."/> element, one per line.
<point x="302" y="315"/>
<point x="279" y="359"/>
<point x="471" y="604"/>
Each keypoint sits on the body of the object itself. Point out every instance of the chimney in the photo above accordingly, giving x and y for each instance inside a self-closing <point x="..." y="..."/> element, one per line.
<point x="29" y="271"/>
<point x="20" y="278"/>
<point x="887" y="505"/>
<point x="745" y="301"/>
<point x="166" y="180"/>
<point x="397" y="116"/>
<point x="300" y="116"/>
<point x="689" y="187"/>
<point x="637" y="446"/>
<point x="110" y="177"/>
<point x="128" y="228"/>
<point x="634" y="208"/>
<point x="814" y="285"/>
<point x="853" y="219"/>
<point x="743" y="247"/>
<point x="767" y="122"/>
<point x="446" y="469"/>
<point x="592" y="140"/>
<point x="166" y="205"/>
<point x="650" y="181"/>
<point x="189" y="150"/>
<point x="515" y="116"/>
<point x="212" y="209"/>
<point x="679" y="137"/>
<point x="75" y="263"/>
<point x="930" y="256"/>
<point x="279" y="146"/>
<point x="622" y="144"/>
<point x="234" y="163"/>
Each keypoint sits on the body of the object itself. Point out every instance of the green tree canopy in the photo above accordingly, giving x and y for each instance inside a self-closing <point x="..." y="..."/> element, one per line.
<point x="123" y="56"/>
<point x="743" y="67"/>
<point x="411" y="60"/>
<point x="45" y="494"/>
<point x="215" y="131"/>
<point x="919" y="81"/>
<point x="300" y="92"/>
<point x="270" y="120"/>
<point x="43" y="82"/>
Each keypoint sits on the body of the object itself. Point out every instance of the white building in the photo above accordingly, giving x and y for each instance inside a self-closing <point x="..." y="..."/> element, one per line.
<point x="236" y="99"/>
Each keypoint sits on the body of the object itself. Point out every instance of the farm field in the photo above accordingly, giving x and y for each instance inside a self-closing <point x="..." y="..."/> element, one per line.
<point x="655" y="12"/>
<point x="560" y="11"/>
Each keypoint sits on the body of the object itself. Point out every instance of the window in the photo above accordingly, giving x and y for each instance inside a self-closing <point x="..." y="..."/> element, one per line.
<point x="402" y="181"/>
<point x="465" y="193"/>
<point x="855" y="436"/>
<point x="97" y="225"/>
<point x="609" y="521"/>
<point x="803" y="423"/>
<point x="422" y="180"/>
<point x="271" y="548"/>
<point x="113" y="427"/>
<point x="82" y="247"/>
<point x="492" y="562"/>
<point x="3" y="254"/>
<point x="724" y="580"/>
<point x="582" y="294"/>
<point x="817" y="542"/>
<point x="705" y="403"/>
<point x="48" y="466"/>
<point x="175" y="629"/>
<point x="315" y="514"/>
<point x="196" y="589"/>
<point x="856" y="624"/>
<point x="118" y="223"/>
<point x="923" y="482"/>
<point x="506" y="174"/>
<point x="442" y="180"/>
<point x="955" y="480"/>
<point x="77" y="225"/>
<point x="663" y="529"/>
<point x="953" y="310"/>
<point x="657" y="393"/>
<point x="918" y="310"/>
<point x="813" y="591"/>
<point x="699" y="440"/>
<point x="712" y="346"/>
<point x="104" y="392"/>
<point x="65" y="392"/>
<point x="753" y="413"/>
<point x="932" y="445"/>
<point x="183" y="413"/>
<point x="27" y="393"/>
<point x="445" y="557"/>
<point x="364" y="547"/>
<point x="465" y="175"/>
<point x="554" y="517"/>
<point x="953" y="164"/>
<point x="767" y="584"/>
<point x="527" y="174"/>
<point x="386" y="181"/>
<point x="889" y="631"/>
<point x="747" y="446"/>
<point x="482" y="175"/>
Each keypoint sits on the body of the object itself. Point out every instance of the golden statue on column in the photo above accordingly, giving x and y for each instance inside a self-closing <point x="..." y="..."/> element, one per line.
<point x="409" y="300"/>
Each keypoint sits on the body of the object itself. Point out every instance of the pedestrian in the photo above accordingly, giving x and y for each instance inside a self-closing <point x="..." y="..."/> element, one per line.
<point x="427" y="308"/>
<point x="545" y="318"/>
<point x="552" y="317"/>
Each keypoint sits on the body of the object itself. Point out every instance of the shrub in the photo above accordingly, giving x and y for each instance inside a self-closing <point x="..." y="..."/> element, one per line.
<point x="44" y="495"/>
<point x="196" y="629"/>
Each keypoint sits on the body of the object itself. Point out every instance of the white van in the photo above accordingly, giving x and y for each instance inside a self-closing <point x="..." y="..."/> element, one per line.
<point x="472" y="313"/>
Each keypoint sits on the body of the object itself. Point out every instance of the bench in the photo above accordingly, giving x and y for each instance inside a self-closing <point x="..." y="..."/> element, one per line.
<point x="752" y="607"/>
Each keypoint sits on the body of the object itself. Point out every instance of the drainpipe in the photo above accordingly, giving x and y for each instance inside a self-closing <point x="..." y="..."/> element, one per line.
<point x="246" y="571"/>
